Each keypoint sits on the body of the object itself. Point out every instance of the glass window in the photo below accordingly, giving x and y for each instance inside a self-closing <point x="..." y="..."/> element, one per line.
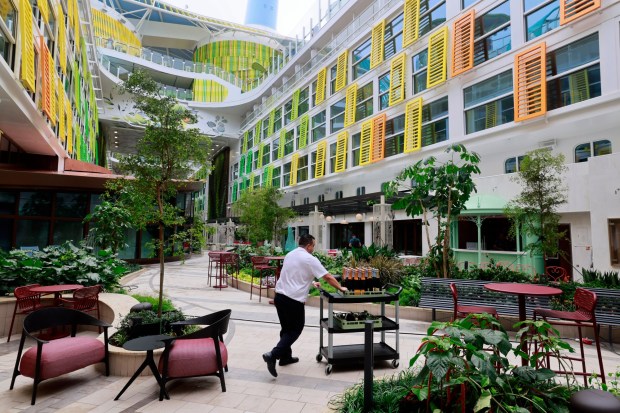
<point x="266" y="155"/>
<point x="489" y="103"/>
<point x="129" y="251"/>
<point x="303" y="102"/>
<point x="313" y="99"/>
<point x="288" y="107"/>
<point x="71" y="204"/>
<point x="361" y="59"/>
<point x="289" y="143"/>
<point x="364" y="102"/>
<point x="494" y="232"/>
<point x="7" y="49"/>
<point x="435" y="122"/>
<point x="276" y="177"/>
<point x="286" y="175"/>
<point x="598" y="148"/>
<point x="264" y="132"/>
<point x="467" y="3"/>
<point x="6" y="234"/>
<point x="275" y="145"/>
<point x="332" y="157"/>
<point x="235" y="171"/>
<point x="420" y="64"/>
<point x="35" y="204"/>
<point x="614" y="241"/>
<point x="492" y="33"/>
<point x="302" y="169"/>
<point x="32" y="233"/>
<point x="255" y="160"/>
<point x="68" y="231"/>
<point x="512" y="165"/>
<point x="7" y="202"/>
<point x="336" y="113"/>
<point x="384" y="91"/>
<point x="393" y="37"/>
<point x="432" y="15"/>
<point x="541" y="16"/>
<point x="277" y="122"/>
<point x="394" y="136"/>
<point x="355" y="148"/>
<point x="332" y="79"/>
<point x="318" y="126"/>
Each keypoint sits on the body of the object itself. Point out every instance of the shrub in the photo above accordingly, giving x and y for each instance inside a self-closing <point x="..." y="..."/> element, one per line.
<point x="166" y="304"/>
<point x="596" y="278"/>
<point x="493" y="272"/>
<point x="143" y="323"/>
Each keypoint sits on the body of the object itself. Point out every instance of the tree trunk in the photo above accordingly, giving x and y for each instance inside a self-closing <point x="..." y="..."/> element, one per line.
<point x="160" y="250"/>
<point x="446" y="237"/>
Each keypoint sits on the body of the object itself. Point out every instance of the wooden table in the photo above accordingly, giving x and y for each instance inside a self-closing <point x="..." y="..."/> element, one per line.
<point x="521" y="291"/>
<point x="57" y="290"/>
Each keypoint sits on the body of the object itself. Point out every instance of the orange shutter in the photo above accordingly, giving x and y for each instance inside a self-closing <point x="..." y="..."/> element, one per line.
<point x="463" y="44"/>
<point x="573" y="9"/>
<point x="530" y="80"/>
<point x="378" y="137"/>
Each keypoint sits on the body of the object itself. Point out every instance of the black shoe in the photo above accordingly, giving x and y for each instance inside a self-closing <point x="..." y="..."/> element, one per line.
<point x="288" y="360"/>
<point x="271" y="363"/>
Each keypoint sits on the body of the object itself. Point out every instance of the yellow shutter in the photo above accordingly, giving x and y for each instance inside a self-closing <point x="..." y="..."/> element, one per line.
<point x="491" y="115"/>
<point x="378" y="137"/>
<point x="530" y="90"/>
<point x="62" y="39"/>
<point x="350" y="104"/>
<point x="261" y="152"/>
<point x="272" y="121"/>
<point x="295" y="105"/>
<point x="319" y="167"/>
<point x="341" y="151"/>
<point x="76" y="24"/>
<point x="366" y="143"/>
<point x="257" y="130"/>
<point x="321" y="81"/>
<point x="397" y="79"/>
<point x="437" y="58"/>
<point x="573" y="9"/>
<point x="244" y="149"/>
<point x="377" y="44"/>
<point x="252" y="180"/>
<point x="62" y="134"/>
<point x="463" y="43"/>
<point x="294" y="166"/>
<point x="27" y="41"/>
<point x="53" y="82"/>
<point x="579" y="86"/>
<point x="341" y="71"/>
<point x="45" y="58"/>
<point x="413" y="125"/>
<point x="303" y="132"/>
<point x="411" y="22"/>
<point x="282" y="142"/>
<point x="269" y="182"/>
<point x="44" y="9"/>
<point x="69" y="113"/>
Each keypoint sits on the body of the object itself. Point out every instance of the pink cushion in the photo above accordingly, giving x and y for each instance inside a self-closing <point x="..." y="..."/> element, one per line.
<point x="63" y="356"/>
<point x="193" y="357"/>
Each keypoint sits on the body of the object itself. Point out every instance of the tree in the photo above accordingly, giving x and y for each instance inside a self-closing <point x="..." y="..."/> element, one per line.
<point x="167" y="155"/>
<point x="440" y="189"/>
<point x="259" y="211"/>
<point x="534" y="210"/>
<point x="109" y="225"/>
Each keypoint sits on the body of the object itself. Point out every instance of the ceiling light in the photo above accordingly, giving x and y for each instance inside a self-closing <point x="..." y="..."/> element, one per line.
<point x="115" y="131"/>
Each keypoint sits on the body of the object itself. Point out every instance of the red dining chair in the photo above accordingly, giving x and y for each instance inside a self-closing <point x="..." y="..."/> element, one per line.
<point x="84" y="299"/>
<point x="231" y="264"/>
<point x="260" y="270"/>
<point x="461" y="311"/>
<point x="215" y="259"/>
<point x="556" y="274"/>
<point x="583" y="316"/>
<point x="26" y="302"/>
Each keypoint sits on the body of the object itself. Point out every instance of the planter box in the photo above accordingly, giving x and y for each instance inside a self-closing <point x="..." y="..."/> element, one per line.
<point x="353" y="325"/>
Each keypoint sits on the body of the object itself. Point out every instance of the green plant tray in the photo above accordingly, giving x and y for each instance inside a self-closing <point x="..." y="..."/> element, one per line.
<point x="354" y="325"/>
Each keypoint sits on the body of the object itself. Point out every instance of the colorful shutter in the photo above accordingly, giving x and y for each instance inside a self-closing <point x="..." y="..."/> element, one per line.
<point x="45" y="58"/>
<point x="573" y="9"/>
<point x="321" y="82"/>
<point x="257" y="131"/>
<point x="295" y="104"/>
<point x="319" y="167"/>
<point x="252" y="176"/>
<point x="411" y="22"/>
<point x="463" y="44"/>
<point x="76" y="24"/>
<point x="377" y="44"/>
<point x="437" y="58"/>
<point x="282" y="143"/>
<point x="579" y="86"/>
<point x="341" y="71"/>
<point x="413" y="125"/>
<point x="350" y="104"/>
<point x="303" y="132"/>
<point x="366" y="143"/>
<point x="261" y="152"/>
<point x="53" y="82"/>
<point x="530" y="91"/>
<point x="249" y="159"/>
<point x="62" y="133"/>
<point x="269" y="181"/>
<point x="27" y="41"/>
<point x="242" y="165"/>
<point x="244" y="149"/>
<point x="490" y="119"/>
<point x="69" y="113"/>
<point x="235" y="189"/>
<point x="62" y="39"/>
<point x="341" y="151"/>
<point x="294" y="166"/>
<point x="397" y="79"/>
<point x="44" y="9"/>
<point x="378" y="137"/>
<point x="272" y="122"/>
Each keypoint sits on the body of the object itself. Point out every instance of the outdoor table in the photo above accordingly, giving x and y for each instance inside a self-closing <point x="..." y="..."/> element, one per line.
<point x="148" y="344"/>
<point x="279" y="259"/>
<point x="57" y="290"/>
<point x="521" y="291"/>
<point x="221" y="268"/>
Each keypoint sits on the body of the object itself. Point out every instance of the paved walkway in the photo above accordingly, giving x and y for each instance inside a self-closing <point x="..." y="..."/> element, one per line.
<point x="301" y="387"/>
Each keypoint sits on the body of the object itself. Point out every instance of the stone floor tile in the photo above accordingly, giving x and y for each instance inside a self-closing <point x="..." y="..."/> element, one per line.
<point x="286" y="406"/>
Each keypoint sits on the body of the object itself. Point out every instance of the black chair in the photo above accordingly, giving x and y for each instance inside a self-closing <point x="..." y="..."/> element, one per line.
<point x="53" y="358"/>
<point x="201" y="353"/>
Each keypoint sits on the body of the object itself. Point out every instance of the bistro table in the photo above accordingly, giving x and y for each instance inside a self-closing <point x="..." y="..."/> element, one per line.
<point x="57" y="290"/>
<point x="148" y="344"/>
<point x="279" y="259"/>
<point x="216" y="257"/>
<point x="521" y="291"/>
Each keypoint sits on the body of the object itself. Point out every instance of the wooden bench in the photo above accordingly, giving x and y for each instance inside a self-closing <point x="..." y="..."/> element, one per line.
<point x="436" y="295"/>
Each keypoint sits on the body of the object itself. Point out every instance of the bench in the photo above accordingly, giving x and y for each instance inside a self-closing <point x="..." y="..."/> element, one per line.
<point x="607" y="308"/>
<point x="435" y="294"/>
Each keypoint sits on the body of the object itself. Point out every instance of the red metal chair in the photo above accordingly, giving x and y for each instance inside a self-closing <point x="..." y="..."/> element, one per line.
<point x="215" y="259"/>
<point x="85" y="299"/>
<point x="260" y="270"/>
<point x="25" y="302"/>
<point x="583" y="316"/>
<point x="461" y="311"/>
<point x="556" y="274"/>
<point x="231" y="264"/>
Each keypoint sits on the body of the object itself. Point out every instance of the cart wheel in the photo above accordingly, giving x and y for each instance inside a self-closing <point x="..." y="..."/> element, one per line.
<point x="319" y="357"/>
<point x="328" y="370"/>
<point x="395" y="363"/>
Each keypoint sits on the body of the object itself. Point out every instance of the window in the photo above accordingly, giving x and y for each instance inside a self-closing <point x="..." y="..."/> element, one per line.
<point x="492" y="33"/>
<point x="355" y="148"/>
<point x="435" y="122"/>
<point x="363" y="108"/>
<point x="489" y="103"/>
<point x="321" y="198"/>
<point x="302" y="169"/>
<point x="573" y="73"/>
<point x="614" y="241"/>
<point x="8" y="33"/>
<point x="313" y="99"/>
<point x="332" y="157"/>
<point x="266" y="155"/>
<point x="493" y="232"/>
<point x="393" y="37"/>
<point x="512" y="165"/>
<point x="277" y="122"/>
<point x="361" y="59"/>
<point x="286" y="175"/>
<point x="338" y="195"/>
<point x="541" y="16"/>
<point x="432" y="15"/>
<point x="394" y="136"/>
<point x="596" y="148"/>
<point x="265" y="131"/>
<point x="384" y="91"/>
<point x="288" y="108"/>
<point x="303" y="101"/>
<point x="336" y="113"/>
<point x="306" y="201"/>
<point x="275" y="182"/>
<point x="332" y="78"/>
<point x="250" y="138"/>
<point x="275" y="146"/>
<point x="419" y="65"/>
<point x="467" y="3"/>
<point x="289" y="142"/>
<point x="235" y="171"/>
<point x="255" y="160"/>
<point x="318" y="126"/>
<point x="360" y="191"/>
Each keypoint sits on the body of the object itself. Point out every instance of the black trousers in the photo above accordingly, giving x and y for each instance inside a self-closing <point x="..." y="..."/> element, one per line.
<point x="292" y="317"/>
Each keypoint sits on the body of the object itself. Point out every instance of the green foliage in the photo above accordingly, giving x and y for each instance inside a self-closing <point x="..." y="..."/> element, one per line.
<point x="365" y="253"/>
<point x="612" y="385"/>
<point x="263" y="217"/>
<point x="411" y="287"/>
<point x="166" y="304"/>
<point x="60" y="264"/>
<point x="534" y="210"/>
<point x="109" y="224"/>
<point x="440" y="189"/>
<point x="247" y="251"/>
<point x="147" y="322"/>
<point x="334" y="264"/>
<point x="596" y="278"/>
<point x="493" y="272"/>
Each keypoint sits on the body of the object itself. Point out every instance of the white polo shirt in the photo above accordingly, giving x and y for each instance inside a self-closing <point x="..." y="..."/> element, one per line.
<point x="299" y="269"/>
